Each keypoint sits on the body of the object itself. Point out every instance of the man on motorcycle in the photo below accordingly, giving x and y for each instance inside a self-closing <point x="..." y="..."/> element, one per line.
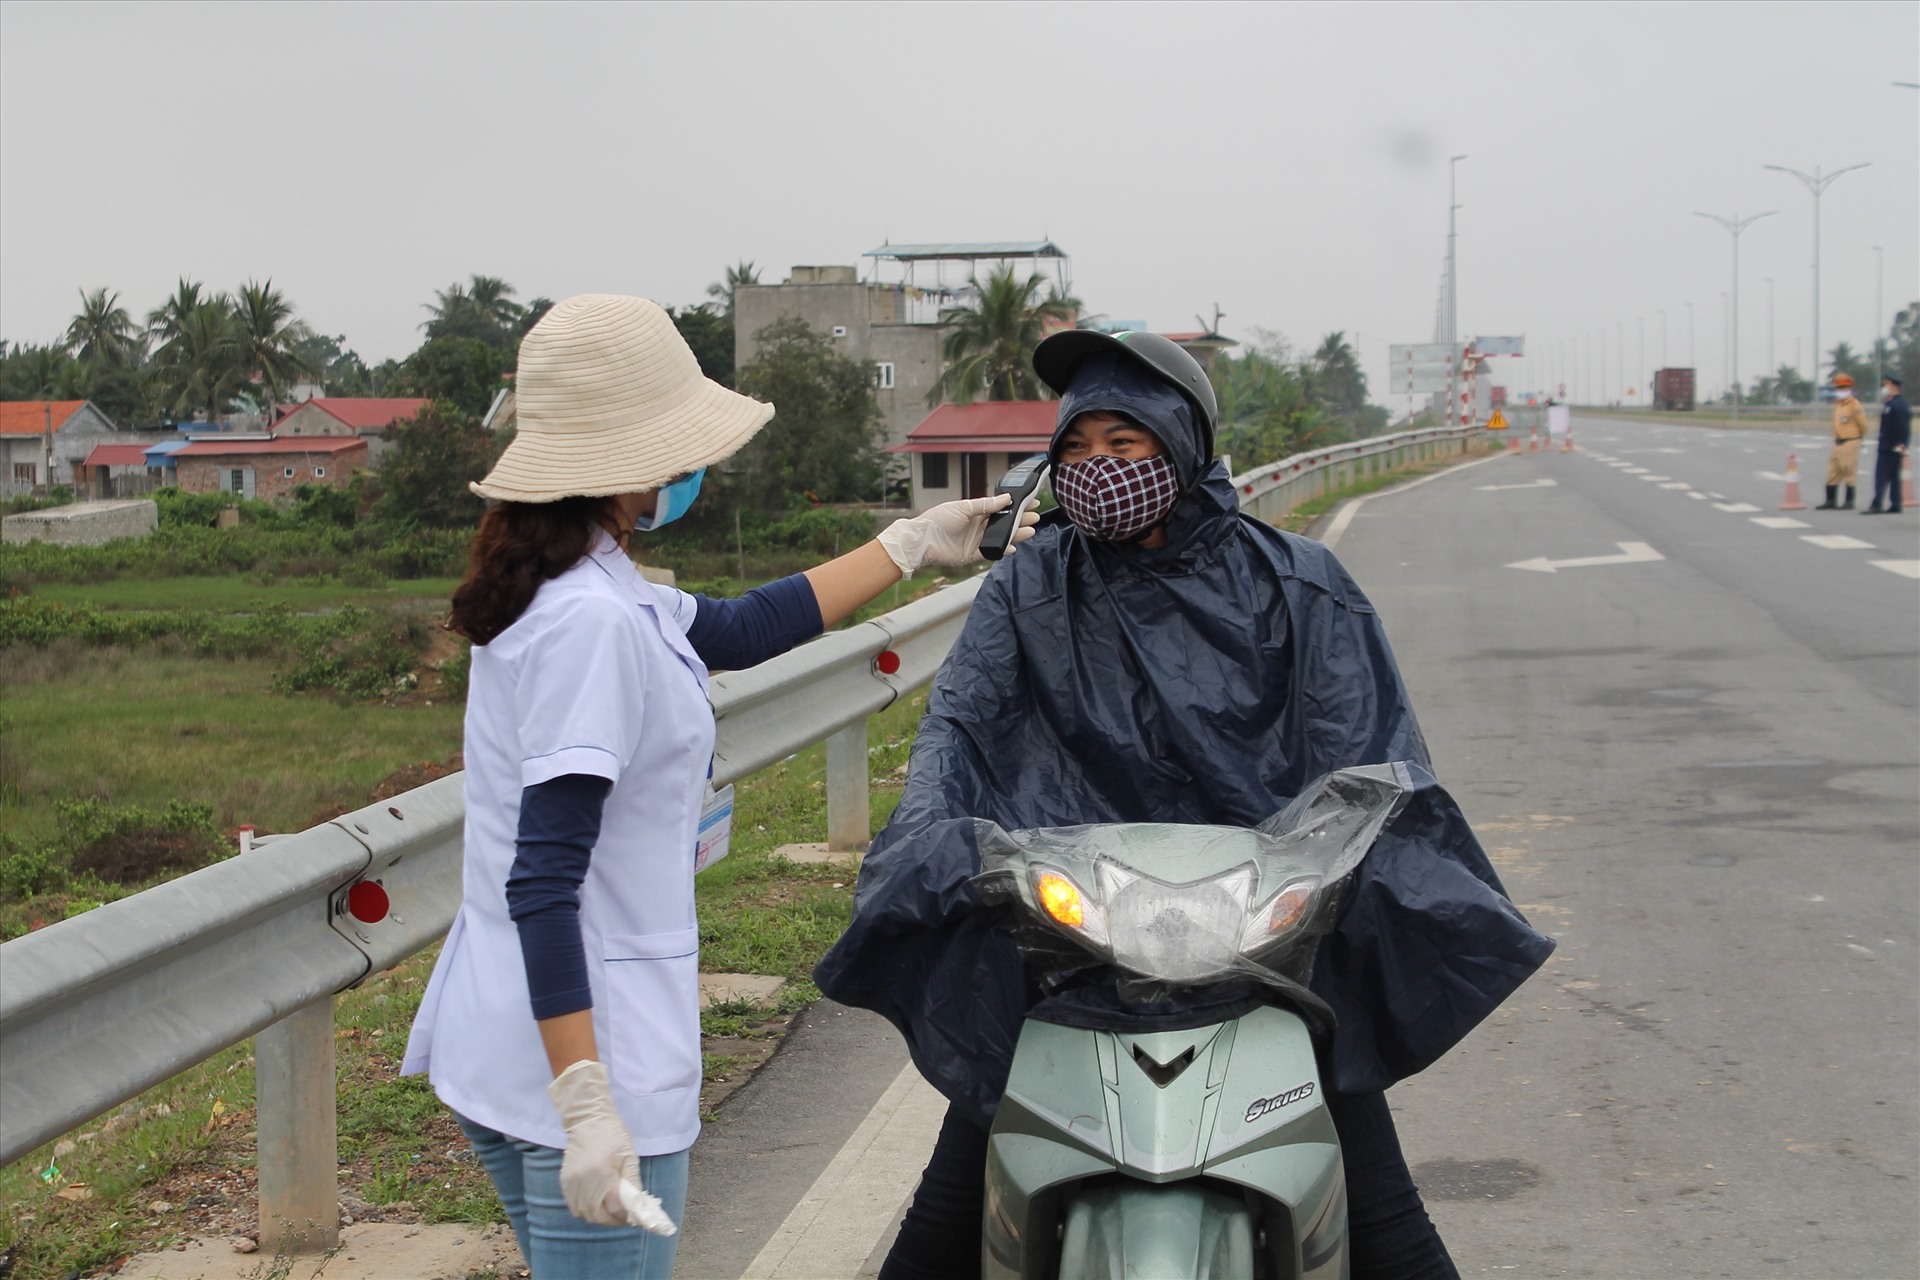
<point x="1155" y="656"/>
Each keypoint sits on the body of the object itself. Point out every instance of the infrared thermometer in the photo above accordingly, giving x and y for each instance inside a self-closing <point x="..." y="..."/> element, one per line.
<point x="1019" y="483"/>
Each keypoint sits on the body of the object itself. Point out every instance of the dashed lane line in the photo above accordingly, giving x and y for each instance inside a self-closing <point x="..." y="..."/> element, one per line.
<point x="1735" y="508"/>
<point x="1780" y="522"/>
<point x="1905" y="568"/>
<point x="1837" y="542"/>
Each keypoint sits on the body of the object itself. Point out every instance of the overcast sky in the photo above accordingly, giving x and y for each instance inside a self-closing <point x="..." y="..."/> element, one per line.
<point x="1288" y="162"/>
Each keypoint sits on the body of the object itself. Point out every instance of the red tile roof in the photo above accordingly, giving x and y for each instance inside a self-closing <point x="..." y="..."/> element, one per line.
<point x="29" y="417"/>
<point x="366" y="413"/>
<point x="117" y="455"/>
<point x="987" y="426"/>
<point x="282" y="444"/>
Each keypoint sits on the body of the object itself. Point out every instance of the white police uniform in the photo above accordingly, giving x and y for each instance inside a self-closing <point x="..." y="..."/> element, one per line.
<point x="595" y="677"/>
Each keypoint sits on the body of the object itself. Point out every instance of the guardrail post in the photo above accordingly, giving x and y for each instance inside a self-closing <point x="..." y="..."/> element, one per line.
<point x="298" y="1141"/>
<point x="849" y="811"/>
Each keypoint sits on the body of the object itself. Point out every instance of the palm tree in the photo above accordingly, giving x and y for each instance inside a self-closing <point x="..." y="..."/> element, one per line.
<point x="199" y="367"/>
<point x="721" y="291"/>
<point x="102" y="333"/>
<point x="267" y="340"/>
<point x="989" y="351"/>
<point x="165" y="321"/>
<point x="458" y="313"/>
<point x="531" y="316"/>
<point x="494" y="298"/>
<point x="1267" y="409"/>
<point x="1340" y="382"/>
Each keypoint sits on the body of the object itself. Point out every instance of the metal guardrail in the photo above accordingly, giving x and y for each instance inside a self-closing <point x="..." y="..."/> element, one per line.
<point x="96" y="1009"/>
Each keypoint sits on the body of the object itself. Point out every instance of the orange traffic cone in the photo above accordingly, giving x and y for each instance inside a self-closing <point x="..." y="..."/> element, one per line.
<point x="1793" y="502"/>
<point x="1533" y="441"/>
<point x="1513" y="444"/>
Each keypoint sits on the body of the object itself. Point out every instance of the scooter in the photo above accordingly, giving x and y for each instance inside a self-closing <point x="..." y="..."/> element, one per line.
<point x="1164" y="1115"/>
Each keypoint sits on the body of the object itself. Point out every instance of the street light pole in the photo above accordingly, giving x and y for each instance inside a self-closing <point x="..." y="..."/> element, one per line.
<point x="1734" y="226"/>
<point x="1816" y="184"/>
<point x="1772" y="368"/>
<point x="1690" y="361"/>
<point x="1640" y="352"/>
<point x="1879" y="368"/>
<point x="1453" y="296"/>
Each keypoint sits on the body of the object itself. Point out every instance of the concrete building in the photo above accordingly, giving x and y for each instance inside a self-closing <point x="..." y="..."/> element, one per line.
<point x="268" y="467"/>
<point x="892" y="323"/>
<point x="85" y="524"/>
<point x="369" y="418"/>
<point x="959" y="451"/>
<point x="866" y="321"/>
<point x="74" y="427"/>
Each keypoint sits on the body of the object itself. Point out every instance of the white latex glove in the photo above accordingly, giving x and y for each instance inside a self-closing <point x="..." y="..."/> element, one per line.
<point x="600" y="1174"/>
<point x="949" y="533"/>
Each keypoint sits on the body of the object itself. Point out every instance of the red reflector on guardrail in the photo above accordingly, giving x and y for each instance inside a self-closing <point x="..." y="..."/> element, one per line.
<point x="368" y="902"/>
<point x="887" y="662"/>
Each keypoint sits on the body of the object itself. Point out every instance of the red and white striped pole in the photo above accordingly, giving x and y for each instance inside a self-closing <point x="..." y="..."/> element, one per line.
<point x="1906" y="478"/>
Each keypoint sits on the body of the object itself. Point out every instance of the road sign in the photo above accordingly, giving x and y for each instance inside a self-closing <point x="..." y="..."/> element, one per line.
<point x="1498" y="422"/>
<point x="1509" y="346"/>
<point x="1418" y="368"/>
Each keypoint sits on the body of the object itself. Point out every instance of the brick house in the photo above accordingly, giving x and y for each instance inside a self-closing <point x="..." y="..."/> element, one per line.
<point x="77" y="427"/>
<point x="960" y="451"/>
<point x="268" y="468"/>
<point x="370" y="418"/>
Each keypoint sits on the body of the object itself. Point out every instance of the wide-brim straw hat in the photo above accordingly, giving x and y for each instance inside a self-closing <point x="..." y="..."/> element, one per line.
<point x="610" y="400"/>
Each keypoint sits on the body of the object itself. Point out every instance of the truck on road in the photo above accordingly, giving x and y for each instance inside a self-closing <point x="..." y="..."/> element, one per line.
<point x="1673" y="389"/>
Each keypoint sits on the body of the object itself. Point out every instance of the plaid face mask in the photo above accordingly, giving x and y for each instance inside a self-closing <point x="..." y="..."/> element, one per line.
<point x="1116" y="499"/>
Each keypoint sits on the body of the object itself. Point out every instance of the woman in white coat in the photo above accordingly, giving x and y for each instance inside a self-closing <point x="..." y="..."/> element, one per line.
<point x="562" y="1022"/>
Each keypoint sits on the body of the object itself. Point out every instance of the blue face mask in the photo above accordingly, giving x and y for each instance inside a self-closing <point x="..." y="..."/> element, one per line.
<point x="671" y="501"/>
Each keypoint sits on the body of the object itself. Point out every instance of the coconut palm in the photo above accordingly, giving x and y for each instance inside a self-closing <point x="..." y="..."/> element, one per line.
<point x="200" y="367"/>
<point x="988" y="351"/>
<point x="1339" y="382"/>
<point x="493" y="297"/>
<point x="103" y="333"/>
<point x="267" y="340"/>
<point x="721" y="291"/>
<point x="165" y="321"/>
<point x="457" y="312"/>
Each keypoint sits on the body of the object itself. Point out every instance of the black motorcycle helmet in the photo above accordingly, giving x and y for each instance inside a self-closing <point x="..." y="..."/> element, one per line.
<point x="1057" y="357"/>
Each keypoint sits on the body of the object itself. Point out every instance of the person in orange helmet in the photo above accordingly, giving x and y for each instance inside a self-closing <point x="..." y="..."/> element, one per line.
<point x="1849" y="427"/>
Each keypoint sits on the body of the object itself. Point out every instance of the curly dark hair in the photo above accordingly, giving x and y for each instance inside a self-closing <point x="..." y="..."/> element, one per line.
<point x="519" y="546"/>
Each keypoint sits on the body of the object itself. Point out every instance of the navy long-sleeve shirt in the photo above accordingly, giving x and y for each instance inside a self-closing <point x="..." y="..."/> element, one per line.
<point x="560" y="818"/>
<point x="1896" y="424"/>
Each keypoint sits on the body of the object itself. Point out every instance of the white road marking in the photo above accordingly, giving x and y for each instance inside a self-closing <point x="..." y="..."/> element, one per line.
<point x="838" y="1222"/>
<point x="1905" y="568"/>
<point x="1677" y="484"/>
<point x="1635" y="471"/>
<point x="1695" y="493"/>
<point x="1780" y="522"/>
<point x="1531" y="484"/>
<point x="1630" y="553"/>
<point x="1837" y="542"/>
<point x="1653" y="479"/>
<point x="1344" y="516"/>
<point x="1735" y="508"/>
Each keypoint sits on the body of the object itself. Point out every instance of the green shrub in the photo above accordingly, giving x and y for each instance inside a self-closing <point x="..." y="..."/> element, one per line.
<point x="27" y="873"/>
<point x="362" y="653"/>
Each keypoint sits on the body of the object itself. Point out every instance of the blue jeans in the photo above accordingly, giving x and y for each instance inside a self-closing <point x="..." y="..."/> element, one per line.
<point x="559" y="1246"/>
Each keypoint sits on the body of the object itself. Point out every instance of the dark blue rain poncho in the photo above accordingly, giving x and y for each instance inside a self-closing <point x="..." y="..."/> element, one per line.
<point x="1208" y="681"/>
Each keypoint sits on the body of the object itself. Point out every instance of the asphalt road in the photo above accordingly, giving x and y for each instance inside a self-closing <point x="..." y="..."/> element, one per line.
<point x="1698" y="767"/>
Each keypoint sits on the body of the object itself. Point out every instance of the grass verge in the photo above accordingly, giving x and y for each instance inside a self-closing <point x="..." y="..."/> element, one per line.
<point x="178" y="1162"/>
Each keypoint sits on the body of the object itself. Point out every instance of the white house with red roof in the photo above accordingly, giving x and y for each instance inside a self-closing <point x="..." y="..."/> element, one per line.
<point x="369" y="418"/>
<point x="961" y="450"/>
<point x="30" y="429"/>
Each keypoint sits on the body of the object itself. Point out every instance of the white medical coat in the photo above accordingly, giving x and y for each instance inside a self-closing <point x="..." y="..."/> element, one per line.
<point x="596" y="677"/>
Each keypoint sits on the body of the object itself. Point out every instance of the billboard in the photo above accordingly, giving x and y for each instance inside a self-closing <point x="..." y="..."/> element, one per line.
<point x="1417" y="369"/>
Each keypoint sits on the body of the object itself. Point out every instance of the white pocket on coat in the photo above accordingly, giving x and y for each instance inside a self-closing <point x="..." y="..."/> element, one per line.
<point x="653" y="1014"/>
